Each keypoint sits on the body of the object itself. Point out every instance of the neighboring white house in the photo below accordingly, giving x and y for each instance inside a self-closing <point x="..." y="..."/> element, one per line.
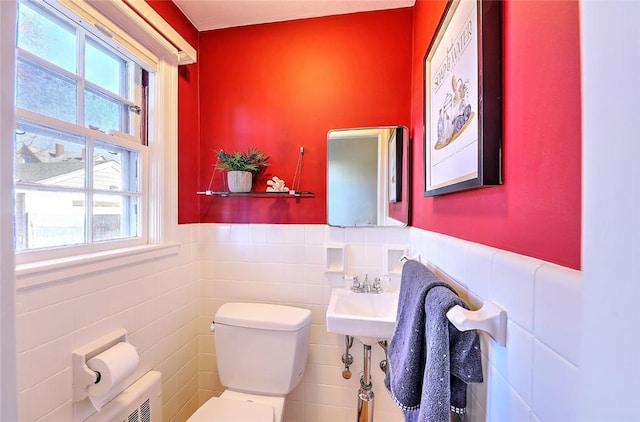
<point x="63" y="221"/>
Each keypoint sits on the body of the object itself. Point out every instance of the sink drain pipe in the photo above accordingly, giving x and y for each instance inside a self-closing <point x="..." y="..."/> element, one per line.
<point x="365" y="393"/>
<point x="347" y="359"/>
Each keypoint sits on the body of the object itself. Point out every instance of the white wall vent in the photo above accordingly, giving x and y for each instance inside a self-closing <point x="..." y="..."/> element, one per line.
<point x="141" y="414"/>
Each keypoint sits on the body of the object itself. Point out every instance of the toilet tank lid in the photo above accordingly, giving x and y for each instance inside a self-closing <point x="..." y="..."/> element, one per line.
<point x="263" y="316"/>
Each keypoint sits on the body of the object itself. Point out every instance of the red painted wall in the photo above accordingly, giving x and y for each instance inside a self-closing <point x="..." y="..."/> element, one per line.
<point x="188" y="116"/>
<point x="537" y="210"/>
<point x="284" y="85"/>
<point x="280" y="86"/>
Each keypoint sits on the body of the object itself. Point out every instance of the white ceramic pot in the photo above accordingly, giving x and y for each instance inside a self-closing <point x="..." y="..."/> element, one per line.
<point x="239" y="181"/>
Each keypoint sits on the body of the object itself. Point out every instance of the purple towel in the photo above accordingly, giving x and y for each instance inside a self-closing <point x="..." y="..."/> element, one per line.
<point x="430" y="361"/>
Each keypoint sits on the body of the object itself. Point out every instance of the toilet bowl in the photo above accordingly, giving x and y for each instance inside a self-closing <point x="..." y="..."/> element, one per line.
<point x="261" y="351"/>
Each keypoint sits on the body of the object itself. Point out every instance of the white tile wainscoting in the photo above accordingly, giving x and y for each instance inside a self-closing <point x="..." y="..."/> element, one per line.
<point x="155" y="300"/>
<point x="533" y="378"/>
<point x="285" y="264"/>
<point x="166" y="304"/>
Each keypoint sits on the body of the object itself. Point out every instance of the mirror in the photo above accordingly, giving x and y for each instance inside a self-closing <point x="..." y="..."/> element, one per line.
<point x="367" y="177"/>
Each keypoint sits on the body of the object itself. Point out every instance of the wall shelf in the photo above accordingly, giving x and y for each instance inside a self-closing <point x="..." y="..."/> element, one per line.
<point x="290" y="194"/>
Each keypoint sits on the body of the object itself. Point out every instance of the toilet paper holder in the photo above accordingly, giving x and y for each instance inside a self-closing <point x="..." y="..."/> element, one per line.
<point x="84" y="376"/>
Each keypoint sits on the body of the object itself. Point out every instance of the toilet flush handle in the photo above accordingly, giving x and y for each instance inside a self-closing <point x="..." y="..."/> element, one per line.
<point x="212" y="328"/>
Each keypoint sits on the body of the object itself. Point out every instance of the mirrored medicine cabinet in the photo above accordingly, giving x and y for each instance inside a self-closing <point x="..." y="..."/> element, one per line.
<point x="368" y="177"/>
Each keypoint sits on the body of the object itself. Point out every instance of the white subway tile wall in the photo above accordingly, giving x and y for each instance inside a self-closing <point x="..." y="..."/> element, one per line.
<point x="535" y="377"/>
<point x="167" y="305"/>
<point x="542" y="299"/>
<point x="156" y="301"/>
<point x="283" y="264"/>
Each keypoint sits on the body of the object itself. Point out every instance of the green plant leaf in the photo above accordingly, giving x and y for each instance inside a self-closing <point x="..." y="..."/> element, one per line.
<point x="252" y="160"/>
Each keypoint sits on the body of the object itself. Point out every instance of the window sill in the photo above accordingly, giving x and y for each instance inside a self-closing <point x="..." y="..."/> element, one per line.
<point x="56" y="270"/>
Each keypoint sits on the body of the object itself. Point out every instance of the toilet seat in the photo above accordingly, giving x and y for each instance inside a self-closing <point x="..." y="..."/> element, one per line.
<point x="275" y="402"/>
<point x="224" y="410"/>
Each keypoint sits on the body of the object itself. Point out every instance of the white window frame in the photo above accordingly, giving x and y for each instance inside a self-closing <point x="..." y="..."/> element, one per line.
<point x="117" y="19"/>
<point x="8" y="375"/>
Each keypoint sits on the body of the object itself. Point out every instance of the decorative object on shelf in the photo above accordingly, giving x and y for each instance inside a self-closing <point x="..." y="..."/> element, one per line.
<point x="253" y="161"/>
<point x="239" y="181"/>
<point x="276" y="184"/>
<point x="241" y="166"/>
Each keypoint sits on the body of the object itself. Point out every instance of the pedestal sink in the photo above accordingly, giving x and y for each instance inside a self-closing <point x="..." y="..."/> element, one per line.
<point x="367" y="316"/>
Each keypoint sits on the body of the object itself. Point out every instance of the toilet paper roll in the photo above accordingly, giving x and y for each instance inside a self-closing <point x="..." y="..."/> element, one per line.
<point x="114" y="365"/>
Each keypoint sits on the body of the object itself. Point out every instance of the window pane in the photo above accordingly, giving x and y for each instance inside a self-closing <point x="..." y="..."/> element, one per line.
<point x="47" y="157"/>
<point x="114" y="168"/>
<point x="44" y="92"/>
<point x="104" y="69"/>
<point x="46" y="219"/>
<point x="46" y="37"/>
<point x="103" y="113"/>
<point x="74" y="187"/>
<point x="114" y="217"/>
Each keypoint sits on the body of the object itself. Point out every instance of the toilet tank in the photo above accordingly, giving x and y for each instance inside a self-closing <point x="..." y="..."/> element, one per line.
<point x="261" y="348"/>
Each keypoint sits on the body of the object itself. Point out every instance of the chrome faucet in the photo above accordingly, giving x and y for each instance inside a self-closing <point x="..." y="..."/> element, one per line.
<point x="355" y="287"/>
<point x="376" y="285"/>
<point x="365" y="286"/>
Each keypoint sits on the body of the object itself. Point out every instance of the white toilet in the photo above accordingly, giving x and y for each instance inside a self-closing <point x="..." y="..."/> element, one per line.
<point x="261" y="351"/>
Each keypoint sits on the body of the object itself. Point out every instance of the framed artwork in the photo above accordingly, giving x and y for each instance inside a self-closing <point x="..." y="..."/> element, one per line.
<point x="395" y="165"/>
<point x="462" y="99"/>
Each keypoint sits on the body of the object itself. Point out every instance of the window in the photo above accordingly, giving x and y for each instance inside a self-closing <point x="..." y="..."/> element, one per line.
<point x="81" y="143"/>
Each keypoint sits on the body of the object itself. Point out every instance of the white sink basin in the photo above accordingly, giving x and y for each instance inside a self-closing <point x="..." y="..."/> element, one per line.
<point x="368" y="316"/>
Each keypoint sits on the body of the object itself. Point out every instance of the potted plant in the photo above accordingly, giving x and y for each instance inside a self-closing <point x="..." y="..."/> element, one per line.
<point x="241" y="166"/>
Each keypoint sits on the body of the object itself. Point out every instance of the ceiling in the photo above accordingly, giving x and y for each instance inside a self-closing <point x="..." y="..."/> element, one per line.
<point x="216" y="14"/>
